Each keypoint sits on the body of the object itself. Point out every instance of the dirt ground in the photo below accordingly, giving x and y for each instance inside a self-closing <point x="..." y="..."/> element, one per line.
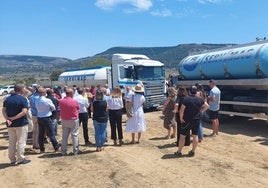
<point x="238" y="157"/>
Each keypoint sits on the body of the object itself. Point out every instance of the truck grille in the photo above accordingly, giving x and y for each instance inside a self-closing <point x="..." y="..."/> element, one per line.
<point x="154" y="93"/>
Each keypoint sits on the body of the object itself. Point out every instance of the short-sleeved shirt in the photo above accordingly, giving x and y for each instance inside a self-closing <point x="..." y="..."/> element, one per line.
<point x="69" y="108"/>
<point x="99" y="111"/>
<point x="193" y="106"/>
<point x="14" y="105"/>
<point x="215" y="92"/>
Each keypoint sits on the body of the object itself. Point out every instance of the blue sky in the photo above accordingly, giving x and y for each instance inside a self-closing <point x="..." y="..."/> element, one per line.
<point x="81" y="28"/>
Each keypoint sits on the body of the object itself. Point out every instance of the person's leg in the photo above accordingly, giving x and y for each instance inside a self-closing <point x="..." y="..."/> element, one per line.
<point x="84" y="120"/>
<point x="213" y="118"/>
<point x="41" y="128"/>
<point x="139" y="137"/>
<point x="50" y="133"/>
<point x="214" y="126"/>
<point x="97" y="133"/>
<point x="112" y="119"/>
<point x="174" y="131"/>
<point x="75" y="133"/>
<point x="30" y="121"/>
<point x="178" y="128"/>
<point x="22" y="133"/>
<point x="168" y="133"/>
<point x="217" y="126"/>
<point x="55" y="126"/>
<point x="200" y="132"/>
<point x="103" y="134"/>
<point x="12" y="140"/>
<point x="195" y="128"/>
<point x="119" y="124"/>
<point x="65" y="135"/>
<point x="132" y="138"/>
<point x="181" y="143"/>
<point x="183" y="133"/>
<point x="195" y="142"/>
<point x="35" y="132"/>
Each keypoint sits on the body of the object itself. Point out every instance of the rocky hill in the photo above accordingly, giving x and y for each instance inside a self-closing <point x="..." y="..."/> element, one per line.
<point x="170" y="56"/>
<point x="25" y="63"/>
<point x="23" y="66"/>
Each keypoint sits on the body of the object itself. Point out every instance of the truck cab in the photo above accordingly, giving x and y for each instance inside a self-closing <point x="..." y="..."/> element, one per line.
<point x="131" y="69"/>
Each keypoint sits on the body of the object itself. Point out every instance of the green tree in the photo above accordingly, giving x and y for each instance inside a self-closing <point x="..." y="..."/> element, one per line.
<point x="54" y="75"/>
<point x="97" y="62"/>
<point x="29" y="81"/>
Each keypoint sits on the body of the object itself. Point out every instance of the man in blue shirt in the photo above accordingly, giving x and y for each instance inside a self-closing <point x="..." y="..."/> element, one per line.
<point x="214" y="106"/>
<point x="14" y="111"/>
<point x="32" y="100"/>
<point x="44" y="108"/>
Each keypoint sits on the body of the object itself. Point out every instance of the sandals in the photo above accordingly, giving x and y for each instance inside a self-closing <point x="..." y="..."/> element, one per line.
<point x="191" y="154"/>
<point x="178" y="154"/>
<point x="99" y="149"/>
<point x="167" y="137"/>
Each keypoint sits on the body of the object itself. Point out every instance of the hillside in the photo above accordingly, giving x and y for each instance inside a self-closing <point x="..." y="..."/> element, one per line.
<point x="170" y="56"/>
<point x="14" y="67"/>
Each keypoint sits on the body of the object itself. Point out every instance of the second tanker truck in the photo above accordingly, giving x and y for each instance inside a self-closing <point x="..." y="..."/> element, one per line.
<point x="241" y="73"/>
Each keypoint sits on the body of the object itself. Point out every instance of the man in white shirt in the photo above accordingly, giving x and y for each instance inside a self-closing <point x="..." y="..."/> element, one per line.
<point x="214" y="106"/>
<point x="83" y="113"/>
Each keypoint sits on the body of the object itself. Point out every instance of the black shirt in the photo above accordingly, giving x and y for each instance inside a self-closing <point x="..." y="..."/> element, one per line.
<point x="14" y="105"/>
<point x="193" y="106"/>
<point x="99" y="111"/>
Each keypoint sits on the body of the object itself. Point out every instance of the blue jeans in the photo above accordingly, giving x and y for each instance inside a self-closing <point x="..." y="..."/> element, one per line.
<point x="100" y="133"/>
<point x="200" y="131"/>
<point x="55" y="126"/>
<point x="45" y="124"/>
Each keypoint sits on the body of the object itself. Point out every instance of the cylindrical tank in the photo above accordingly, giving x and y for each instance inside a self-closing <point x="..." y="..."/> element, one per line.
<point x="238" y="62"/>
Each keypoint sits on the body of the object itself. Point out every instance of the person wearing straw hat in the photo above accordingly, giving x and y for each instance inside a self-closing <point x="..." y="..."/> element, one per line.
<point x="136" y="123"/>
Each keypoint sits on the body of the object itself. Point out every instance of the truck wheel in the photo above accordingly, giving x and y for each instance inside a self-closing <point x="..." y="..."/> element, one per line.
<point x="5" y="93"/>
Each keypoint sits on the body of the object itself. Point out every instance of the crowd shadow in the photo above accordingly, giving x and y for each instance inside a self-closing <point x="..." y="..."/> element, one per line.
<point x="4" y="135"/>
<point x="245" y="126"/>
<point x="5" y="165"/>
<point x="158" y="138"/>
<point x="57" y="155"/>
<point x="172" y="156"/>
<point x="166" y="146"/>
<point x="3" y="147"/>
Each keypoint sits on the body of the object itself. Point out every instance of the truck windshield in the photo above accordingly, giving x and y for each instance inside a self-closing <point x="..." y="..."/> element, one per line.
<point x="149" y="72"/>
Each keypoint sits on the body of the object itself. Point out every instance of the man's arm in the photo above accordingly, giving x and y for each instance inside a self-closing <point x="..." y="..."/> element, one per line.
<point x="204" y="107"/>
<point x="182" y="113"/>
<point x="211" y="97"/>
<point x="19" y="115"/>
<point x="4" y="112"/>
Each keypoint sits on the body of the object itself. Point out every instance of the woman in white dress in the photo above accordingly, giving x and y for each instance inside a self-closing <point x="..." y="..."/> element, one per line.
<point x="136" y="123"/>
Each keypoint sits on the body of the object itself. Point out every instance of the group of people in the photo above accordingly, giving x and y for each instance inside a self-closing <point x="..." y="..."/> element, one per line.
<point x="45" y="108"/>
<point x="42" y="109"/>
<point x="184" y="110"/>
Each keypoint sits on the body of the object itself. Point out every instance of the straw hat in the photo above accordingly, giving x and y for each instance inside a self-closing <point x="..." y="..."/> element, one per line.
<point x="139" y="88"/>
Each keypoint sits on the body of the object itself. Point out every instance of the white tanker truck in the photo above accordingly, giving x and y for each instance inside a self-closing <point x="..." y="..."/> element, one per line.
<point x="241" y="73"/>
<point x="126" y="70"/>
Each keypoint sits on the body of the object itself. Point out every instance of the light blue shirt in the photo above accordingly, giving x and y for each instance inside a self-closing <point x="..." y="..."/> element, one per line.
<point x="33" y="98"/>
<point x="215" y="92"/>
<point x="44" y="107"/>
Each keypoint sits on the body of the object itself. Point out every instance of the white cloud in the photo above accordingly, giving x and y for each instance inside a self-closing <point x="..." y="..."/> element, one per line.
<point x="137" y="5"/>
<point x="162" y="13"/>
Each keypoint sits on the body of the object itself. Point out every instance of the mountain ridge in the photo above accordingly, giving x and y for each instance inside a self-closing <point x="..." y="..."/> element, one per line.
<point x="15" y="66"/>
